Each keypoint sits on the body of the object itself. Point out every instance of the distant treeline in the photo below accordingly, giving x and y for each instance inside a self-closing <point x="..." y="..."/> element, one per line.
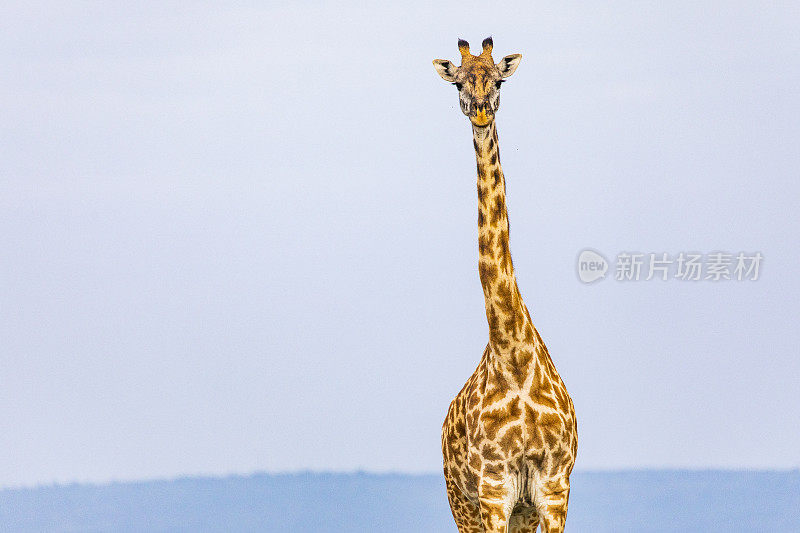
<point x="636" y="501"/>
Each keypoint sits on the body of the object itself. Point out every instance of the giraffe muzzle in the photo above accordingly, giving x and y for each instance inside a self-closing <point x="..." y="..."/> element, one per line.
<point x="481" y="114"/>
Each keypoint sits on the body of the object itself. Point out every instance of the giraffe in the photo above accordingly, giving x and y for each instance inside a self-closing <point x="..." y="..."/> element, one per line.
<point x="510" y="436"/>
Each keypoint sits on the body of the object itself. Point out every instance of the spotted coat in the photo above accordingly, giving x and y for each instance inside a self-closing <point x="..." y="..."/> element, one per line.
<point x="509" y="440"/>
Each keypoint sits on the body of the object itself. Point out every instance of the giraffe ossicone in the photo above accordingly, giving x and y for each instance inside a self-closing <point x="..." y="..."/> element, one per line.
<point x="510" y="436"/>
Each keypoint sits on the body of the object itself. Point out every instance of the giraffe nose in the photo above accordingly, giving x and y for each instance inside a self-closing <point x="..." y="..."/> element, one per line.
<point x="483" y="107"/>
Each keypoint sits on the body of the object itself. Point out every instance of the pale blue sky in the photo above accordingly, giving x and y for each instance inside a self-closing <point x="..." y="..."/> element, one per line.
<point x="243" y="238"/>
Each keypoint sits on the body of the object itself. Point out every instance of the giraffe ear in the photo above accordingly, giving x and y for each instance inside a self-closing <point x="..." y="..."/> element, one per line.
<point x="509" y="64"/>
<point x="446" y="69"/>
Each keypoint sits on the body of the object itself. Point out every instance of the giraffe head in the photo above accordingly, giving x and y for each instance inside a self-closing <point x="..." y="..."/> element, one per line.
<point x="478" y="80"/>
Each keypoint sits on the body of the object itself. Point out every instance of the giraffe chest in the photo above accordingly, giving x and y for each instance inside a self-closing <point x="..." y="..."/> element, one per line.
<point x="519" y="439"/>
<point x="515" y="432"/>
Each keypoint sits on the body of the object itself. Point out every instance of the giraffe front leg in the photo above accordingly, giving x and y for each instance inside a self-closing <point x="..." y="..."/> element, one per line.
<point x="496" y="501"/>
<point x="466" y="513"/>
<point x="552" y="505"/>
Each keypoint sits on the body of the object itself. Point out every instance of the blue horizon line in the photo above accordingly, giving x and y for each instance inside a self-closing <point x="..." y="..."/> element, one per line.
<point x="375" y="474"/>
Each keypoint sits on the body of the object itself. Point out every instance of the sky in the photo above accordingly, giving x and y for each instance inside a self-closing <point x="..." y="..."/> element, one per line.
<point x="243" y="238"/>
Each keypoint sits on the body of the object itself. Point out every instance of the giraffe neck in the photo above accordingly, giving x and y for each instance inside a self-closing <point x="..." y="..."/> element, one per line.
<point x="509" y="321"/>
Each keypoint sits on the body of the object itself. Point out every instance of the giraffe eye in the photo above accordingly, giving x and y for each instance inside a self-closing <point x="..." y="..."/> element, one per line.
<point x="459" y="86"/>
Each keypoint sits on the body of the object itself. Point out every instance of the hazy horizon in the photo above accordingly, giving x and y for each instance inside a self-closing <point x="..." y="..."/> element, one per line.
<point x="177" y="478"/>
<point x="632" y="501"/>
